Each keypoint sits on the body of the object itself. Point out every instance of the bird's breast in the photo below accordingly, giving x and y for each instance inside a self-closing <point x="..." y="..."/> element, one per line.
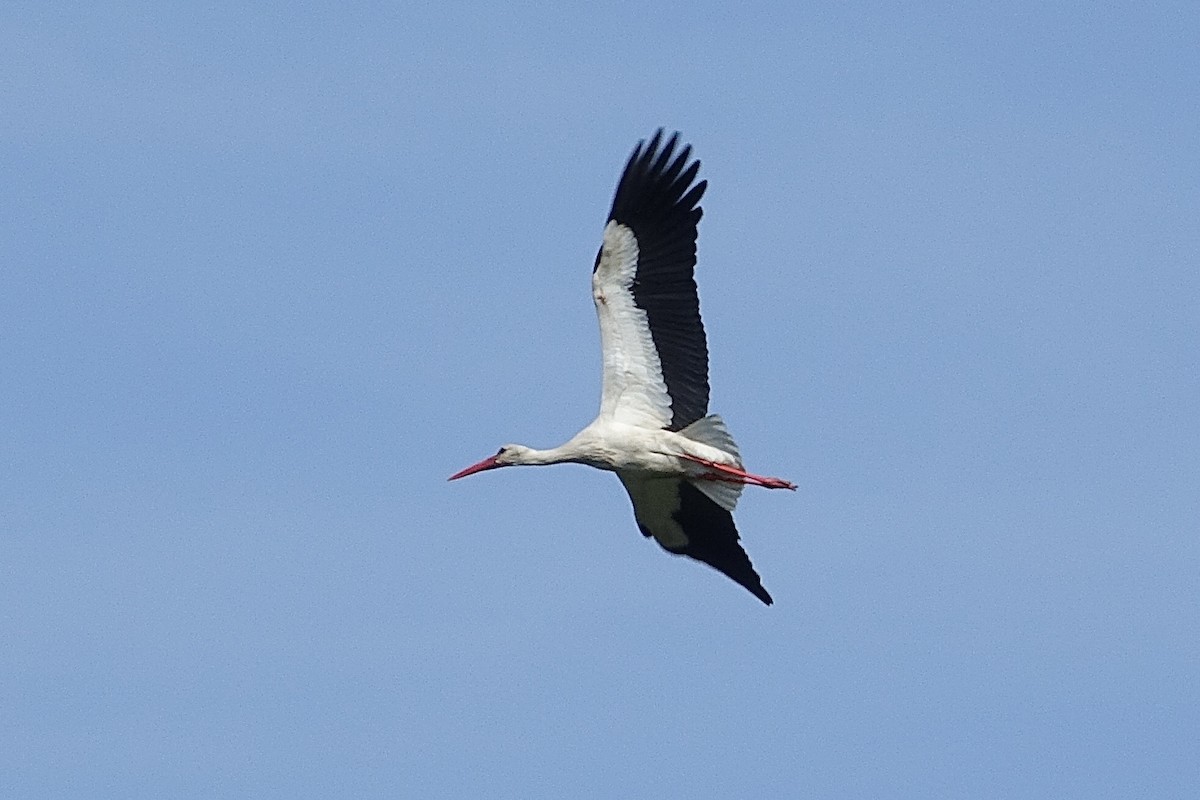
<point x="628" y="448"/>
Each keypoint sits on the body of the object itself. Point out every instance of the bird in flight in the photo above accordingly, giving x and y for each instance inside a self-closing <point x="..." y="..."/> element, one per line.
<point x="678" y="463"/>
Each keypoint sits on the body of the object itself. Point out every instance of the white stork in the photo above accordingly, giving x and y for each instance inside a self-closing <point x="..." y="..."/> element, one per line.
<point x="679" y="464"/>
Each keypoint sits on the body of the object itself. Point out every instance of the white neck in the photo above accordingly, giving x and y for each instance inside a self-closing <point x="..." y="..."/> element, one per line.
<point x="528" y="456"/>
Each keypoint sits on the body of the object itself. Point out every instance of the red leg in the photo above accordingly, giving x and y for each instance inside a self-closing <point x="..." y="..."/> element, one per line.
<point x="720" y="476"/>
<point x="724" y="472"/>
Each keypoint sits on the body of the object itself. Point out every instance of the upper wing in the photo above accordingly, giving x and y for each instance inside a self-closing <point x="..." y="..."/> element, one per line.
<point x="686" y="522"/>
<point x="654" y="350"/>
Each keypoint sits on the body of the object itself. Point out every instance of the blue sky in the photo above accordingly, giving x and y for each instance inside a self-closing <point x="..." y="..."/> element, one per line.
<point x="270" y="273"/>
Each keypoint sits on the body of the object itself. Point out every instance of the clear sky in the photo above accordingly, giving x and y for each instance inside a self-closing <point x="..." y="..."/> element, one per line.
<point x="270" y="273"/>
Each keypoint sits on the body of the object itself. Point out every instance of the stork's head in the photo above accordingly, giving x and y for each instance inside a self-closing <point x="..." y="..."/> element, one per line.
<point x="507" y="456"/>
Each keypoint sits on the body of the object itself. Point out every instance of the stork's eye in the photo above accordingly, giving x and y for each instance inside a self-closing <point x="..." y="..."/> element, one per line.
<point x="501" y="451"/>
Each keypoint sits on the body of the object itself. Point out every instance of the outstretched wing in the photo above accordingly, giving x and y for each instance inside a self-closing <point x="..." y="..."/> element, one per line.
<point x="654" y="351"/>
<point x="686" y="522"/>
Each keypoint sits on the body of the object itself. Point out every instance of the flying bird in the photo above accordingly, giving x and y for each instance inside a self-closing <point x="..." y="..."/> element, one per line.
<point x="678" y="463"/>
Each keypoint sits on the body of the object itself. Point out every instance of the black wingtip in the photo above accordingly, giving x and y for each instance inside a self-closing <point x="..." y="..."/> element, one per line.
<point x="713" y="539"/>
<point x="657" y="181"/>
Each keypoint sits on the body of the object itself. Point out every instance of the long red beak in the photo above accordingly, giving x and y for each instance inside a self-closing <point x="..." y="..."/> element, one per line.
<point x="488" y="463"/>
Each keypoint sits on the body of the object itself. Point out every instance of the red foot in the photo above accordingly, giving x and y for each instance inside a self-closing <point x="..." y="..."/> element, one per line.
<point x="724" y="472"/>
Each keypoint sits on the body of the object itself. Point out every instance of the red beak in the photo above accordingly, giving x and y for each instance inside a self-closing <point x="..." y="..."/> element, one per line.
<point x="488" y="463"/>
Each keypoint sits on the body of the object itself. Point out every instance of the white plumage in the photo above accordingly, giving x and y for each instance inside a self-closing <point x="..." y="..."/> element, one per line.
<point x="633" y="391"/>
<point x="680" y="466"/>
